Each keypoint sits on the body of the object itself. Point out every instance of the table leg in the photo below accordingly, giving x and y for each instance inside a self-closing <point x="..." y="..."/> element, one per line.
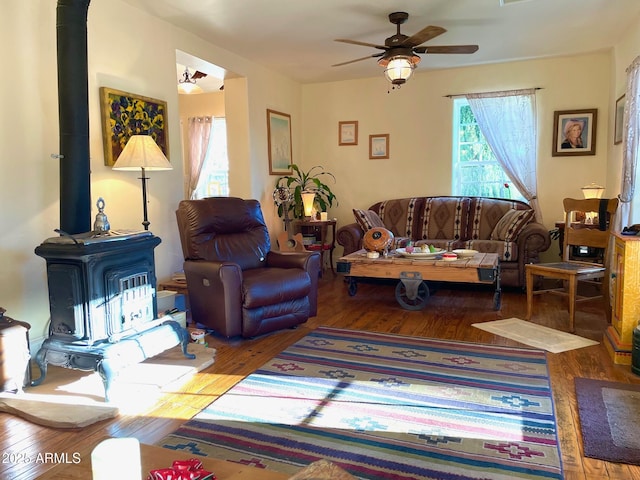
<point x="352" y="286"/>
<point x="497" y="296"/>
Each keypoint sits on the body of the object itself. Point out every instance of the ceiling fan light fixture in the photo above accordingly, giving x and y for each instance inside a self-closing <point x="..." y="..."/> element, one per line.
<point x="398" y="69"/>
<point x="187" y="84"/>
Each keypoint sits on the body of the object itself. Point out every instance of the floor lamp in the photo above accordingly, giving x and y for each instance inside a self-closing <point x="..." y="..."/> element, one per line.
<point x="142" y="153"/>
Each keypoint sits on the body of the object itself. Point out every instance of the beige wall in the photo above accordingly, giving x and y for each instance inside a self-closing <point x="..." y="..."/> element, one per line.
<point x="418" y="119"/>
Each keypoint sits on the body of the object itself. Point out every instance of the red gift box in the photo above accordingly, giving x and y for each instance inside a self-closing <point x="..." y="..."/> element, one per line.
<point x="182" y="470"/>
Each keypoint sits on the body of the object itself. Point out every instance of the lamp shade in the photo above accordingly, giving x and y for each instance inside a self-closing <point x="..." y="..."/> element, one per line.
<point x="189" y="88"/>
<point x="592" y="191"/>
<point x="307" y="201"/>
<point x="399" y="68"/>
<point x="141" y="151"/>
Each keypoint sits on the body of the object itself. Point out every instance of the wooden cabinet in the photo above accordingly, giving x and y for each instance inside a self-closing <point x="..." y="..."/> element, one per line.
<point x="625" y="297"/>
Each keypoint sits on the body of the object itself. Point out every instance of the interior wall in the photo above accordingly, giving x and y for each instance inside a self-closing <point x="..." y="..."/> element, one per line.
<point x="418" y="118"/>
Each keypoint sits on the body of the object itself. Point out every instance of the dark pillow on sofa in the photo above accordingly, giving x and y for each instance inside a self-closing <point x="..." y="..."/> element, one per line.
<point x="511" y="224"/>
<point x="367" y="219"/>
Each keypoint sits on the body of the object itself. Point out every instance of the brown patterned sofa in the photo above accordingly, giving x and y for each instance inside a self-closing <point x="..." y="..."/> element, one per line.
<point x="490" y="225"/>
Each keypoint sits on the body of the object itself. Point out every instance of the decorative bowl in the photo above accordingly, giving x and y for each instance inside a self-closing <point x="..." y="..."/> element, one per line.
<point x="464" y="252"/>
<point x="417" y="253"/>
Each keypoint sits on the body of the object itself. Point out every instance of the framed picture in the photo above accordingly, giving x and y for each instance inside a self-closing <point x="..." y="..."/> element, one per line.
<point x="279" y="138"/>
<point x="126" y="114"/>
<point x="348" y="133"/>
<point x="574" y="132"/>
<point x="379" y="146"/>
<point x="617" y="132"/>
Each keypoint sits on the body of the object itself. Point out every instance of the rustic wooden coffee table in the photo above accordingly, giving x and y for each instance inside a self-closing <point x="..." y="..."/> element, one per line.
<point x="412" y="292"/>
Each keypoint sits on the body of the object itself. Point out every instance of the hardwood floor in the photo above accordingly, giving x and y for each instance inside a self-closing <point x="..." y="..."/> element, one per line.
<point x="449" y="315"/>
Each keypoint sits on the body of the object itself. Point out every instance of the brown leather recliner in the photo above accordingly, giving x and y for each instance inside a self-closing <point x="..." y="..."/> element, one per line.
<point x="237" y="285"/>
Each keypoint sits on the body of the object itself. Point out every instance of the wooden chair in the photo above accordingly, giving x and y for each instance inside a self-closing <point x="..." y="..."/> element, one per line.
<point x="572" y="271"/>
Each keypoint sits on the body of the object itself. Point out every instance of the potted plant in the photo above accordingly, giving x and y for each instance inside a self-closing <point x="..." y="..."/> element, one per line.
<point x="300" y="182"/>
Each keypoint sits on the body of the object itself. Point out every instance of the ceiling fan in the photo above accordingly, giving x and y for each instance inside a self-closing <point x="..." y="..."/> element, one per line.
<point x="187" y="84"/>
<point x="400" y="52"/>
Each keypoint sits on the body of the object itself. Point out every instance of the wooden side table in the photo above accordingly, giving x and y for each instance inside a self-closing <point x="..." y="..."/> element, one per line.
<point x="320" y="230"/>
<point x="179" y="287"/>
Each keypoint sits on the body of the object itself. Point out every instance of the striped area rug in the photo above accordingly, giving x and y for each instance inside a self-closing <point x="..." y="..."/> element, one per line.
<point x="387" y="407"/>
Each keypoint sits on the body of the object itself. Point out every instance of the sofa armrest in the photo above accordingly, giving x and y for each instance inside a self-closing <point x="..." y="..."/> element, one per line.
<point x="350" y="237"/>
<point x="533" y="240"/>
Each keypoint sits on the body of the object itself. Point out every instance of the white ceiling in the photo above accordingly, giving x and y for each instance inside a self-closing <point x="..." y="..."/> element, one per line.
<point x="296" y="37"/>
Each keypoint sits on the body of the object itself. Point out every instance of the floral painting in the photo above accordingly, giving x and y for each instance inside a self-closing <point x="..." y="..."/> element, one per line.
<point x="126" y="114"/>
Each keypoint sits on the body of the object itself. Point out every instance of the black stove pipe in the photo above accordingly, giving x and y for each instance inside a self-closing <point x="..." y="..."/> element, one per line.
<point x="73" y="115"/>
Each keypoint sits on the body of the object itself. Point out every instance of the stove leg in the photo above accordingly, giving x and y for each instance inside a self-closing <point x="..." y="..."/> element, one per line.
<point x="106" y="374"/>
<point x="41" y="360"/>
<point x="183" y="335"/>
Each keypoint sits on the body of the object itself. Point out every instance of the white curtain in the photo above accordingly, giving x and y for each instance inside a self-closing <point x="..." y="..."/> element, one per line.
<point x="199" y="134"/>
<point x="630" y="144"/>
<point x="508" y="122"/>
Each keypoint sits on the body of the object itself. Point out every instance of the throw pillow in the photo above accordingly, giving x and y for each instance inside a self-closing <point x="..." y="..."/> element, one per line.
<point x="511" y="224"/>
<point x="367" y="219"/>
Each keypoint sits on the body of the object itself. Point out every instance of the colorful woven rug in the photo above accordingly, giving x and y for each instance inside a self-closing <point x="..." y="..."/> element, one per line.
<point x="385" y="406"/>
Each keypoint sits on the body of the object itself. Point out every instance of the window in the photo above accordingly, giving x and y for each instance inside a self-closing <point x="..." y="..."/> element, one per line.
<point x="476" y="171"/>
<point x="214" y="177"/>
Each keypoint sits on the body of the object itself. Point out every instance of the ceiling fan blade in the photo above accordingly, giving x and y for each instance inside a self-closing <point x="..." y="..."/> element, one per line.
<point x="447" y="49"/>
<point x="427" y="33"/>
<point x="362" y="44"/>
<point x="358" y="59"/>
<point x="197" y="74"/>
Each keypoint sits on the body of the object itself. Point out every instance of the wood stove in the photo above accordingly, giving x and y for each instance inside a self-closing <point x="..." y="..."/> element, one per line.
<point x="101" y="287"/>
<point x="102" y="295"/>
<point x="102" y="300"/>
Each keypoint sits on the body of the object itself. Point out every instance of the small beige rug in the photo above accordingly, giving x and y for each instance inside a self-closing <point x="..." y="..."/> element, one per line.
<point x="73" y="398"/>
<point x="535" y="335"/>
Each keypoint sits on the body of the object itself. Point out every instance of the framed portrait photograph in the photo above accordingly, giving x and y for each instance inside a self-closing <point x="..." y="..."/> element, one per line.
<point x="126" y="114"/>
<point x="617" y="132"/>
<point x="574" y="132"/>
<point x="379" y="146"/>
<point x="279" y="142"/>
<point x="348" y="133"/>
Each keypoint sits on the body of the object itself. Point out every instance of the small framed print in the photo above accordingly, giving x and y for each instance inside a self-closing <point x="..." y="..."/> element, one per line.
<point x="574" y="132"/>
<point x="379" y="146"/>
<point x="348" y="133"/>
<point x="617" y="133"/>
